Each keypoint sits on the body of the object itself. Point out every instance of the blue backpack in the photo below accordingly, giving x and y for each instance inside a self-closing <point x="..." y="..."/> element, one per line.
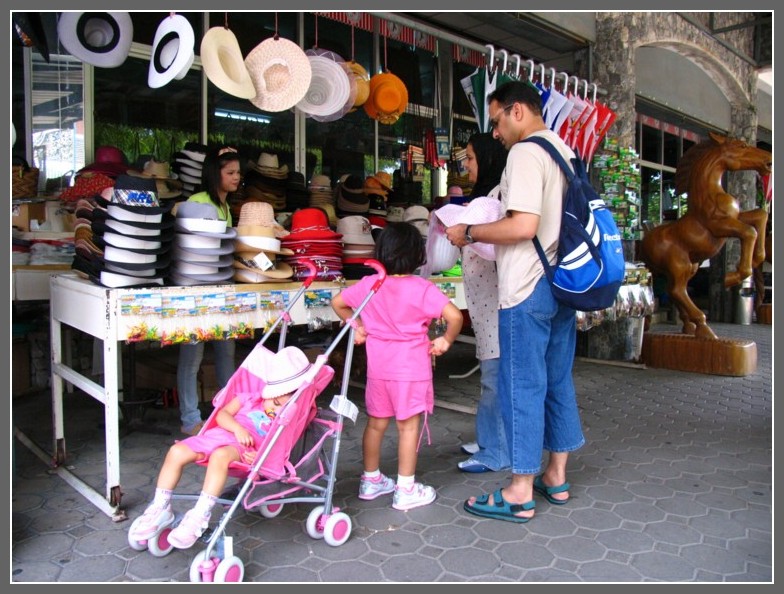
<point x="590" y="267"/>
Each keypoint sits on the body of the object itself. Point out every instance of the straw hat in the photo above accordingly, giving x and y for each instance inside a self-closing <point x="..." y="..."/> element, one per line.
<point x="280" y="72"/>
<point x="329" y="88"/>
<point x="362" y="79"/>
<point x="222" y="61"/>
<point x="388" y="98"/>
<point x="172" y="51"/>
<point x="260" y="214"/>
<point x="256" y="238"/>
<point x="167" y="183"/>
<point x="100" y="39"/>
<point x="384" y="179"/>
<point x="263" y="262"/>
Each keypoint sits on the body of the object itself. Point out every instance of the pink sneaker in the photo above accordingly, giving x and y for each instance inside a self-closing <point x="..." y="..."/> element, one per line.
<point x="152" y="521"/>
<point x="370" y="488"/>
<point x="188" y="530"/>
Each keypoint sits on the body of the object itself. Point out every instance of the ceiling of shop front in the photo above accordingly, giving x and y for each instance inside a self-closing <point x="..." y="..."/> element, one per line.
<point x="519" y="33"/>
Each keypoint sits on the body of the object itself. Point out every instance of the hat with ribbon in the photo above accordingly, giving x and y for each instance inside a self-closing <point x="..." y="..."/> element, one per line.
<point x="310" y="223"/>
<point x="287" y="372"/>
<point x="355" y="230"/>
<point x="172" y="51"/>
<point x="201" y="218"/>
<point x="482" y="209"/>
<point x="86" y="185"/>
<point x="267" y="165"/>
<point x="263" y="262"/>
<point x="100" y="39"/>
<point x="222" y="62"/>
<point x="388" y="98"/>
<point x="329" y="91"/>
<point x="281" y="73"/>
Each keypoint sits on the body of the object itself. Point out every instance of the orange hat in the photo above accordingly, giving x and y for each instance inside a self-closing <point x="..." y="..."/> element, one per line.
<point x="388" y="98"/>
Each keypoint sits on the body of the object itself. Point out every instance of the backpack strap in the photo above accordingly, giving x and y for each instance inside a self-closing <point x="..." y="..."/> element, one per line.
<point x="567" y="171"/>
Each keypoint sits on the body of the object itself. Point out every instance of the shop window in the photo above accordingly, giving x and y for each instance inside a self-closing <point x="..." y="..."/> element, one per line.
<point x="650" y="188"/>
<point x="651" y="144"/>
<point x="671" y="145"/>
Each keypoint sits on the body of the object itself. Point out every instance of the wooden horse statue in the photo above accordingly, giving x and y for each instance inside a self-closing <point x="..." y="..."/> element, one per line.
<point x="676" y="249"/>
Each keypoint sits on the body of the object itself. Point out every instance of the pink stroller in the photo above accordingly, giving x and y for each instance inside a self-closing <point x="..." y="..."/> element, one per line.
<point x="293" y="463"/>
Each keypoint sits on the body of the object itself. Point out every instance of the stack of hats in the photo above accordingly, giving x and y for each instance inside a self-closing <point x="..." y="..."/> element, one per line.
<point x="266" y="180"/>
<point x="92" y="179"/>
<point x="188" y="165"/>
<point x="167" y="183"/>
<point x="311" y="239"/>
<point x="297" y="194"/>
<point x="88" y="256"/>
<point x="321" y="197"/>
<point x="419" y="216"/>
<point x="350" y="197"/>
<point x="134" y="231"/>
<point x="258" y="245"/>
<point x="201" y="241"/>
<point x="358" y="245"/>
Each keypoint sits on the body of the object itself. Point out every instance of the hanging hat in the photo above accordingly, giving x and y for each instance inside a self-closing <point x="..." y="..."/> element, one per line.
<point x="481" y="209"/>
<point x="288" y="370"/>
<point x="362" y="79"/>
<point x="329" y="90"/>
<point x="222" y="62"/>
<point x="100" y="39"/>
<point x="388" y="98"/>
<point x="172" y="51"/>
<point x="109" y="160"/>
<point x="30" y="32"/>
<point x="280" y="72"/>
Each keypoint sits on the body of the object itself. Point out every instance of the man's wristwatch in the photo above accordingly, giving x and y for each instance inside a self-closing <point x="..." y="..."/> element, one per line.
<point x="468" y="237"/>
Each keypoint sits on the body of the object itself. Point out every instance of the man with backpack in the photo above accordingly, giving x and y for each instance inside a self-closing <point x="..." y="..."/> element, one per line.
<point x="537" y="333"/>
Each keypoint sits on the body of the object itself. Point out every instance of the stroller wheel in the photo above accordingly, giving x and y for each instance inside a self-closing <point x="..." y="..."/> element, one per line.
<point x="272" y="510"/>
<point x="314" y="525"/>
<point x="337" y="529"/>
<point x="230" y="569"/>
<point x="196" y="575"/>
<point x="159" y="544"/>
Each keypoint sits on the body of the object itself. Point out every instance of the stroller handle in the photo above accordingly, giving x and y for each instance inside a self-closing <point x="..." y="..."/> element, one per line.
<point x="382" y="273"/>
<point x="312" y="272"/>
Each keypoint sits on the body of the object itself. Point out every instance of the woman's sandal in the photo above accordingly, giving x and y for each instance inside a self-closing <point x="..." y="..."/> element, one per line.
<point x="548" y="492"/>
<point x="500" y="509"/>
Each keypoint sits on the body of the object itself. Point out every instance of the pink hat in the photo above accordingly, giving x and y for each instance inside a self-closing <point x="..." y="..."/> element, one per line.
<point x="480" y="210"/>
<point x="109" y="160"/>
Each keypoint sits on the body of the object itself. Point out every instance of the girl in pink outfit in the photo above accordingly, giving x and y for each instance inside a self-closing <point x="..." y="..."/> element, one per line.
<point x="241" y="426"/>
<point x="394" y="328"/>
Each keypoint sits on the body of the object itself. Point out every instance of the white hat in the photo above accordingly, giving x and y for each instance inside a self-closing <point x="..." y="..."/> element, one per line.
<point x="280" y="72"/>
<point x="288" y="371"/>
<point x="482" y="209"/>
<point x="419" y="216"/>
<point x="222" y="61"/>
<point x="329" y="88"/>
<point x="356" y="230"/>
<point x="201" y="218"/>
<point x="172" y="51"/>
<point x="100" y="39"/>
<point x="440" y="253"/>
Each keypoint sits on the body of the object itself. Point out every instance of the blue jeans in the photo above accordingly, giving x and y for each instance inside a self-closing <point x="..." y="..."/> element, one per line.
<point x="490" y="433"/>
<point x="191" y="355"/>
<point x="536" y="391"/>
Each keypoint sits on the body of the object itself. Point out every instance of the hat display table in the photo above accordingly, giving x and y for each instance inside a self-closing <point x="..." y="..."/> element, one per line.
<point x="135" y="314"/>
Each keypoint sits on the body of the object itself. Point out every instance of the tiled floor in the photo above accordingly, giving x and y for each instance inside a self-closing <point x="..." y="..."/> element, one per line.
<point x="674" y="484"/>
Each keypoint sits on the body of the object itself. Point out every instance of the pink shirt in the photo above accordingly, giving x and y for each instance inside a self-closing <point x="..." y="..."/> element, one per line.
<point x="397" y="319"/>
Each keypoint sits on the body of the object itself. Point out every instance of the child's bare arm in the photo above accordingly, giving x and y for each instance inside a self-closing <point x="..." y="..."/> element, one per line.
<point x="454" y="323"/>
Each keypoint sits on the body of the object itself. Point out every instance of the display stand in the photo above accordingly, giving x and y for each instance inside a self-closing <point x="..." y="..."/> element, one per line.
<point x="161" y="313"/>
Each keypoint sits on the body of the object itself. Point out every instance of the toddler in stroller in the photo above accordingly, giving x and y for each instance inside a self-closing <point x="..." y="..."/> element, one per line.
<point x="239" y="428"/>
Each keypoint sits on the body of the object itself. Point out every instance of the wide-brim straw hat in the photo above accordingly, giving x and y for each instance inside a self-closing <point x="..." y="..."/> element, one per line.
<point x="388" y="98"/>
<point x="280" y="72"/>
<point x="260" y="214"/>
<point x="362" y="80"/>
<point x="222" y="61"/>
<point x="172" y="51"/>
<point x="253" y="261"/>
<point x="101" y="39"/>
<point x="256" y="238"/>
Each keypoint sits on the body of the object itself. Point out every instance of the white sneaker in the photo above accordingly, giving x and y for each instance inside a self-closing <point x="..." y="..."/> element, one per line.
<point x="370" y="488"/>
<point x="414" y="496"/>
<point x="189" y="530"/>
<point x="154" y="519"/>
<point x="470" y="448"/>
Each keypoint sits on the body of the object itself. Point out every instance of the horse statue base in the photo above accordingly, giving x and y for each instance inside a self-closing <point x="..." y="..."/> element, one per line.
<point x="683" y="352"/>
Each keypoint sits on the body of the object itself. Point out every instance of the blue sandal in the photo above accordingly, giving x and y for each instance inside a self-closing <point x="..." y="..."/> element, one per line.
<point x="548" y="492"/>
<point x="500" y="509"/>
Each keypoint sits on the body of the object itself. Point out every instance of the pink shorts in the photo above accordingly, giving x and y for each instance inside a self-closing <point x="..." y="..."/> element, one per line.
<point x="397" y="398"/>
<point x="216" y="437"/>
